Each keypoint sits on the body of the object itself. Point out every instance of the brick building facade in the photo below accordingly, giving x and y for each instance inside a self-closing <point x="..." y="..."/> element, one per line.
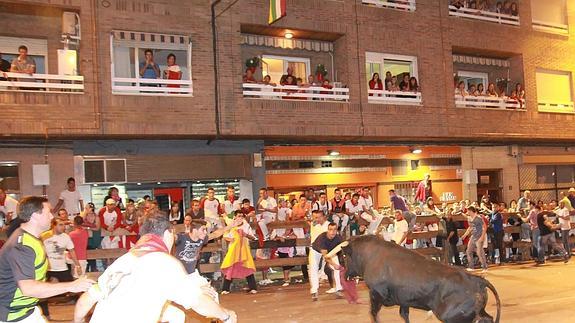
<point x="348" y="31"/>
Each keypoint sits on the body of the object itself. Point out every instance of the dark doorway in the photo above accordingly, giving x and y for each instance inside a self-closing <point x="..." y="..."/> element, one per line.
<point x="490" y="183"/>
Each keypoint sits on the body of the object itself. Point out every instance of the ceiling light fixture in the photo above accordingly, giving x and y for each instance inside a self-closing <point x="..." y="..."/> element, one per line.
<point x="415" y="150"/>
<point x="333" y="152"/>
<point x="288" y="35"/>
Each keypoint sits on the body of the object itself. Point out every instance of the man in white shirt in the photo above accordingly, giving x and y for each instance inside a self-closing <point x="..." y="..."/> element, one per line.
<point x="267" y="208"/>
<point x="401" y="228"/>
<point x="8" y="206"/>
<point x="231" y="203"/>
<point x="323" y="205"/>
<point x="141" y="285"/>
<point x="70" y="199"/>
<point x="56" y="243"/>
<point x="369" y="213"/>
<point x="317" y="227"/>
<point x="565" y="223"/>
<point x="211" y="207"/>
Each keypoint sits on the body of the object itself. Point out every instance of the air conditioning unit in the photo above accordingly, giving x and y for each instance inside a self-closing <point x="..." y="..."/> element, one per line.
<point x="514" y="150"/>
<point x="104" y="171"/>
<point x="71" y="25"/>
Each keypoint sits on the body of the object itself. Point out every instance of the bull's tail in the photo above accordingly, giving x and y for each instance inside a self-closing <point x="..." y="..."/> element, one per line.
<point x="497" y="300"/>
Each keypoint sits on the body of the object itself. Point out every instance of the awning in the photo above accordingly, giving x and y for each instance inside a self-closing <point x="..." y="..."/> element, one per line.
<point x="476" y="60"/>
<point x="281" y="42"/>
<point x="150" y="40"/>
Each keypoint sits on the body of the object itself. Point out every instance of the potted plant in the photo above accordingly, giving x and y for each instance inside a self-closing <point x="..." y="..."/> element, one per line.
<point x="252" y="63"/>
<point x="320" y="72"/>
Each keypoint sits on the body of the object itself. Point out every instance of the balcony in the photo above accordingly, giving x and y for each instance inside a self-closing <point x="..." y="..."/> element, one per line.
<point x="556" y="107"/>
<point x="471" y="101"/>
<point x="407" y="5"/>
<point x="394" y="97"/>
<point x="484" y="15"/>
<point x="151" y="87"/>
<point x="561" y="29"/>
<point x="45" y="83"/>
<point x="292" y="92"/>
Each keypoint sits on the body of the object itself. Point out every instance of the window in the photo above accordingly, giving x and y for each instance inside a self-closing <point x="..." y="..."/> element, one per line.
<point x="128" y="56"/>
<point x="9" y="177"/>
<point x="408" y="5"/>
<point x="547" y="174"/>
<point x="105" y="171"/>
<point x="549" y="16"/>
<point x="400" y="68"/>
<point x="554" y="91"/>
<point x="326" y="163"/>
<point x="276" y="66"/>
<point x="473" y="78"/>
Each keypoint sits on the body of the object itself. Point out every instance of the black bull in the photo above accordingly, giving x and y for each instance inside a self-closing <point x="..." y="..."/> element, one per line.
<point x="398" y="276"/>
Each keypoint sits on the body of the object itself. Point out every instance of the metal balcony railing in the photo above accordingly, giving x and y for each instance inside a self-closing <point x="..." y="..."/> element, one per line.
<point x="292" y="92"/>
<point x="471" y="101"/>
<point x="484" y="15"/>
<point x="152" y="87"/>
<point x="408" y="5"/>
<point x="394" y="97"/>
<point x="46" y="83"/>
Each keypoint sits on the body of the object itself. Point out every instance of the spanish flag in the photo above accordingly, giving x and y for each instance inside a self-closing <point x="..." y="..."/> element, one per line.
<point x="277" y="10"/>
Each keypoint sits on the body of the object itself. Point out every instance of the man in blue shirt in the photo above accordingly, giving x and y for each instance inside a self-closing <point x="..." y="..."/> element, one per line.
<point x="149" y="69"/>
<point x="496" y="221"/>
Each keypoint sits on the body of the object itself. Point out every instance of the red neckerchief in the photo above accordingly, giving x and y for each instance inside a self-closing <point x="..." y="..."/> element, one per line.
<point x="149" y="243"/>
<point x="231" y="199"/>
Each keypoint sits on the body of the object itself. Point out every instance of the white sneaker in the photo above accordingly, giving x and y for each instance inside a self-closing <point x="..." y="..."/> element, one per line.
<point x="330" y="291"/>
<point x="469" y="269"/>
<point x="224" y="292"/>
<point x="263" y="282"/>
<point x="253" y="291"/>
<point x="271" y="271"/>
<point x="285" y="284"/>
<point x="270" y="281"/>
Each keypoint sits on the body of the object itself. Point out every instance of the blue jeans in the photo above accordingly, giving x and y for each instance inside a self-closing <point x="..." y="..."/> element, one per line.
<point x="535" y="239"/>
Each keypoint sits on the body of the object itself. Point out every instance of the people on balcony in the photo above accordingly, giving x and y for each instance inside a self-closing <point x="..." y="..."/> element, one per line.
<point x="311" y="81"/>
<point x="375" y="83"/>
<point x="460" y="90"/>
<point x="249" y="76"/>
<point x="413" y="85"/>
<point x="23" y="63"/>
<point x="4" y="67"/>
<point x="502" y="7"/>
<point x="148" y="68"/>
<point x="491" y="91"/>
<point x="268" y="81"/>
<point x="289" y="72"/>
<point x="173" y="72"/>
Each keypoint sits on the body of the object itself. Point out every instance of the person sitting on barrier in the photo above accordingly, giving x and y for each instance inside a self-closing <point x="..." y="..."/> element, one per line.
<point x="145" y="279"/>
<point x="401" y="229"/>
<point x="238" y="262"/>
<point x="267" y="208"/>
<point x="338" y="211"/>
<point x="353" y="209"/>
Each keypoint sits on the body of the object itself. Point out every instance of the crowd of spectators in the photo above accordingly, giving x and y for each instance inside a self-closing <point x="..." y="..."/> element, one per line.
<point x="289" y="79"/>
<point x="502" y="7"/>
<point x="117" y="224"/>
<point x="478" y="91"/>
<point x="407" y="84"/>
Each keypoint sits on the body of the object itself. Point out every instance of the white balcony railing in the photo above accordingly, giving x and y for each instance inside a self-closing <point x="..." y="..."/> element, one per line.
<point x="394" y="97"/>
<point x="408" y="5"/>
<point x="292" y="92"/>
<point x="471" y="101"/>
<point x="46" y="83"/>
<point x="557" y="107"/>
<point x="551" y="27"/>
<point x="491" y="16"/>
<point x="153" y="87"/>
